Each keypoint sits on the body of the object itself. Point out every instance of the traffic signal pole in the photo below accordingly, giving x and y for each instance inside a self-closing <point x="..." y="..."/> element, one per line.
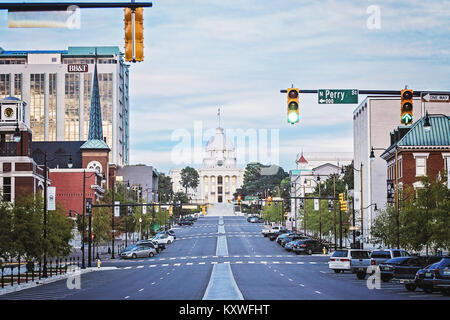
<point x="416" y="93"/>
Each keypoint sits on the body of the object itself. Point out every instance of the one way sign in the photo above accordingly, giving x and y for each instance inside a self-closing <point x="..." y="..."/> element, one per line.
<point x="435" y="98"/>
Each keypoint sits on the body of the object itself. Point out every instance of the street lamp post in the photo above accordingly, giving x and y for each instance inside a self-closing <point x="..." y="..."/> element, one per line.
<point x="362" y="209"/>
<point x="69" y="164"/>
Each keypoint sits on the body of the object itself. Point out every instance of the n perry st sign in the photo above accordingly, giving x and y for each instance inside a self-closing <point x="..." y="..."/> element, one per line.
<point x="337" y="96"/>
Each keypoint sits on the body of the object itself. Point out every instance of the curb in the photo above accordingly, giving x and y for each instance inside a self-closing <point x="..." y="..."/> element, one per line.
<point x="37" y="283"/>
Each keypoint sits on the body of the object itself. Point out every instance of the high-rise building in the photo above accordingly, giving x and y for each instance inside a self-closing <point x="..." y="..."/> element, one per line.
<point x="57" y="84"/>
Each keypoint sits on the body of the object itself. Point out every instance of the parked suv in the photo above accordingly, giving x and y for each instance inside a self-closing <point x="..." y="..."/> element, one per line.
<point x="360" y="261"/>
<point x="308" y="246"/>
<point x="381" y="255"/>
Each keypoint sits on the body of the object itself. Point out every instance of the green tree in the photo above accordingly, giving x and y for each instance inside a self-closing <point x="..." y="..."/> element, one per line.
<point x="258" y="178"/>
<point x="164" y="187"/>
<point x="59" y="233"/>
<point x="384" y="228"/>
<point x="6" y="236"/>
<point x="189" y="178"/>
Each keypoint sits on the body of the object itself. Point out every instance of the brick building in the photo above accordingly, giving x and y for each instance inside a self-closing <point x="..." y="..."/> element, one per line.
<point x="19" y="173"/>
<point x="420" y="152"/>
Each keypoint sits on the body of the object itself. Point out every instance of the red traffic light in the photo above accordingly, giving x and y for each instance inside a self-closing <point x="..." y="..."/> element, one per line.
<point x="293" y="94"/>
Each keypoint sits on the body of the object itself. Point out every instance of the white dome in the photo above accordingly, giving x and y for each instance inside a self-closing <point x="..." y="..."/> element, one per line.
<point x="219" y="151"/>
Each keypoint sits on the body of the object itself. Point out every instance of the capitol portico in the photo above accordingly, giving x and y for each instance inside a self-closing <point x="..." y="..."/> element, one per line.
<point x="219" y="177"/>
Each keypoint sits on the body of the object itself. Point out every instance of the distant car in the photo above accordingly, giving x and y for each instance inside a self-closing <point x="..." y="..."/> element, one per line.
<point x="253" y="220"/>
<point x="280" y="237"/>
<point x="290" y="245"/>
<point x="163" y="238"/>
<point x="292" y="237"/>
<point x="184" y="222"/>
<point x="309" y="246"/>
<point x="381" y="255"/>
<point x="274" y="235"/>
<point x="138" y="252"/>
<point x="437" y="277"/>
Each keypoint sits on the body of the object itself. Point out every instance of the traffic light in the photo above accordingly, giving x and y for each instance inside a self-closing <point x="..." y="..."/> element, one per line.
<point x="269" y="200"/>
<point x="93" y="236"/>
<point x="344" y="205"/>
<point x="292" y="105"/>
<point x="139" y="33"/>
<point x="407" y="106"/>
<point x="341" y="197"/>
<point x="239" y="198"/>
<point x="301" y="204"/>
<point x="128" y="35"/>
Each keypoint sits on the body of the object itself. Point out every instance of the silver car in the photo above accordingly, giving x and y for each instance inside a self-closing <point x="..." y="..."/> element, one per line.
<point x="138" y="252"/>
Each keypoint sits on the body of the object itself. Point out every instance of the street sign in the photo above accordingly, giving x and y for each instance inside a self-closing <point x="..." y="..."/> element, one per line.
<point x="337" y="96"/>
<point x="116" y="209"/>
<point x="316" y="204"/>
<point x="251" y="198"/>
<point x="435" y="98"/>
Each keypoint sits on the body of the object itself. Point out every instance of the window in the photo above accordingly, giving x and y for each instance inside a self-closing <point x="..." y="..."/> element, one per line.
<point x="7" y="189"/>
<point x="421" y="166"/>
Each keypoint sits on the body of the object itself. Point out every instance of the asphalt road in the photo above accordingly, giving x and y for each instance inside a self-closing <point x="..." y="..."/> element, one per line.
<point x="260" y="270"/>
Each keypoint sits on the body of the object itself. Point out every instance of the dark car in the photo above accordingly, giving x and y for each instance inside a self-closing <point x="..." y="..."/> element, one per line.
<point x="290" y="238"/>
<point x="185" y="222"/>
<point x="420" y="275"/>
<point x="309" y="246"/>
<point x="405" y="271"/>
<point x="293" y="244"/>
<point x="280" y="237"/>
<point x="274" y="235"/>
<point x="437" y="277"/>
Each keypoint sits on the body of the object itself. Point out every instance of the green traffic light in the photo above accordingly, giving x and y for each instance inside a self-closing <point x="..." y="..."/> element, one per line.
<point x="293" y="117"/>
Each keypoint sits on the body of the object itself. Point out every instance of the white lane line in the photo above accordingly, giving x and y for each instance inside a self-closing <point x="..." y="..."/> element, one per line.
<point x="152" y="265"/>
<point x="127" y="297"/>
<point x="318" y="292"/>
<point x="301" y="285"/>
<point x="165" y="265"/>
<point x="290" y="279"/>
<point x="126" y="268"/>
<point x="141" y="289"/>
<point x="153" y="282"/>
<point x="201" y="263"/>
<point x="189" y="264"/>
<point x="177" y="264"/>
<point x="139" y="267"/>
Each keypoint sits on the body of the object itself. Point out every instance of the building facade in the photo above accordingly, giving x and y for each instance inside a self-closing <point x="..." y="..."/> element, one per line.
<point x="142" y="178"/>
<point x="219" y="177"/>
<point x="373" y="120"/>
<point x="57" y="84"/>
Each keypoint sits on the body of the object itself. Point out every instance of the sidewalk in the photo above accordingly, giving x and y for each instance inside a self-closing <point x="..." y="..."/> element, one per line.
<point x="35" y="283"/>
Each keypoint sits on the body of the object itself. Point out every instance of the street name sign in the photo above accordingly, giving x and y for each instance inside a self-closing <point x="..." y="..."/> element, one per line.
<point x="251" y="198"/>
<point x="337" y="96"/>
<point x="436" y="98"/>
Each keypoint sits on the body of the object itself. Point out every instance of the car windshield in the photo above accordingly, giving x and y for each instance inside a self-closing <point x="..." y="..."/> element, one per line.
<point x="130" y="247"/>
<point x="340" y="253"/>
<point x="381" y="254"/>
<point x="360" y="254"/>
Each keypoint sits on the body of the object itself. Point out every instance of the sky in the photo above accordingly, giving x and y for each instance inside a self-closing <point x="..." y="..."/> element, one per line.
<point x="201" y="55"/>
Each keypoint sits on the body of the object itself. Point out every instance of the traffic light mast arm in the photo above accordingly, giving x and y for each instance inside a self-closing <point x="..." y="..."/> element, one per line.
<point x="62" y="6"/>
<point x="382" y="92"/>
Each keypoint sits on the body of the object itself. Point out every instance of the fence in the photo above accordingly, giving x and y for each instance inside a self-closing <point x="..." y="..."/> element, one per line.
<point x="22" y="272"/>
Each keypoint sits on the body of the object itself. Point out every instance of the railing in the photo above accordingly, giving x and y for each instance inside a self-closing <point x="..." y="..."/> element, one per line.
<point x="17" y="273"/>
<point x="8" y="149"/>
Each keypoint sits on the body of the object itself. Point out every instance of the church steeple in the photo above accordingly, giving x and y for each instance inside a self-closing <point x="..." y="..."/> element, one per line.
<point x="95" y="121"/>
<point x="95" y="137"/>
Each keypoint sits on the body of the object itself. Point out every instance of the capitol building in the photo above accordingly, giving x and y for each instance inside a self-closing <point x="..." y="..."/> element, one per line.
<point x="219" y="177"/>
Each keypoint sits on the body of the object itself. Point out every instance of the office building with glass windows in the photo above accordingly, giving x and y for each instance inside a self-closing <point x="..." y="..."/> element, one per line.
<point x="57" y="84"/>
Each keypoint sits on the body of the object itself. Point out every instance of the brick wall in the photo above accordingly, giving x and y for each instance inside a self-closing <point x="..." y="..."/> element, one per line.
<point x="434" y="164"/>
<point x="69" y="189"/>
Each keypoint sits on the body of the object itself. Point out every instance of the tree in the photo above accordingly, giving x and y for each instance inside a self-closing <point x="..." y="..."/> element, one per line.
<point x="258" y="178"/>
<point x="384" y="228"/>
<point x="189" y="178"/>
<point x="164" y="187"/>
<point x="6" y="237"/>
<point x="59" y="232"/>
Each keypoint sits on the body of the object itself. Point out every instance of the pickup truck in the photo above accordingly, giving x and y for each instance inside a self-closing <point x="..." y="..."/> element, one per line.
<point x="381" y="255"/>
<point x="359" y="262"/>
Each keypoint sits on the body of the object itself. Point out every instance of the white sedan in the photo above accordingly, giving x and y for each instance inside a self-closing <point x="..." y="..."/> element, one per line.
<point x="163" y="239"/>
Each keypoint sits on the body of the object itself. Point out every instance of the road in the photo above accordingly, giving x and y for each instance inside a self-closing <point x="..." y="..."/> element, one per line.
<point x="221" y="256"/>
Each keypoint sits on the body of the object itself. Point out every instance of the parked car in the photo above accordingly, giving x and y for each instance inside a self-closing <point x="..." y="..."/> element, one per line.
<point x="309" y="246"/>
<point x="253" y="220"/>
<point x="152" y="244"/>
<point x="292" y="237"/>
<point x="437" y="277"/>
<point x="184" y="222"/>
<point x="340" y="260"/>
<point x="138" y="252"/>
<point x="381" y="255"/>
<point x="360" y="261"/>
<point x="274" y="235"/>
<point x="268" y="231"/>
<point x="281" y="236"/>
<point x="163" y="238"/>
<point x="290" y="245"/>
<point x="404" y="269"/>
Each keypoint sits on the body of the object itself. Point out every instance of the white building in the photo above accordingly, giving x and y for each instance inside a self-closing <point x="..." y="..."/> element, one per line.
<point x="219" y="177"/>
<point x="57" y="84"/>
<point x="373" y="120"/>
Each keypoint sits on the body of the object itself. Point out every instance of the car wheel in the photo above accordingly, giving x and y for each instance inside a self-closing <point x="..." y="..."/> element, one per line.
<point x="385" y="279"/>
<point x="150" y="255"/>
<point x="410" y="286"/>
<point x="134" y="256"/>
<point x="361" y="275"/>
<point x="337" y="271"/>
<point x="169" y="242"/>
